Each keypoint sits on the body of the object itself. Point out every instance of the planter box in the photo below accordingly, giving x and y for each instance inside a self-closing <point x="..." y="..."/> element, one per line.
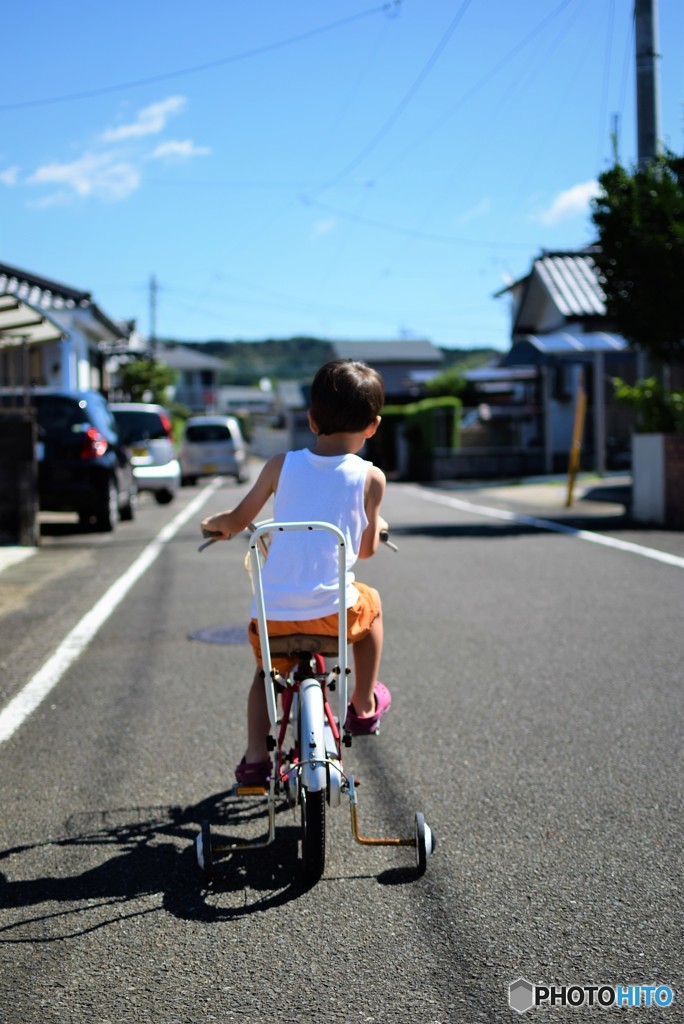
<point x="658" y="479"/>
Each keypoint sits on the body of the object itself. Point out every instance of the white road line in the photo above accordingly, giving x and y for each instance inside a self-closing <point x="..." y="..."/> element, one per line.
<point x="47" y="677"/>
<point x="548" y="524"/>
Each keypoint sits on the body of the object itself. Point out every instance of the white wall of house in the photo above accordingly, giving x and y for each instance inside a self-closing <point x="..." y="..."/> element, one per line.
<point x="72" y="362"/>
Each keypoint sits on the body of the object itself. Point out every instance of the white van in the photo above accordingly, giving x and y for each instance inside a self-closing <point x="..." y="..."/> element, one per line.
<point x="212" y="446"/>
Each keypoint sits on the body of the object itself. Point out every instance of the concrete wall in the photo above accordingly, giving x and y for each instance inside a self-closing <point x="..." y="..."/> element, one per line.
<point x="648" y="488"/>
<point x="658" y="479"/>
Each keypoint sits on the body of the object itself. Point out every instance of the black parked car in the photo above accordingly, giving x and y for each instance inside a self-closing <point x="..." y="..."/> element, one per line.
<point x="82" y="465"/>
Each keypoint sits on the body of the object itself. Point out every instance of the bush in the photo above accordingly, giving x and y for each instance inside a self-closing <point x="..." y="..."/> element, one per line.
<point x="659" y="411"/>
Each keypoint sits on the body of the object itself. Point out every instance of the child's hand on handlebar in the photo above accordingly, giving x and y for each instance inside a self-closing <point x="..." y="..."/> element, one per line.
<point x="383" y="534"/>
<point x="215" y="527"/>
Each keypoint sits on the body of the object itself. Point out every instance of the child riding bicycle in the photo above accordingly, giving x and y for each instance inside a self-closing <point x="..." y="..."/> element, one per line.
<point x="328" y="483"/>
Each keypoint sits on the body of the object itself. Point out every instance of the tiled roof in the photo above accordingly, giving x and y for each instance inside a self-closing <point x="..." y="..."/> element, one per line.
<point x="184" y="357"/>
<point x="573" y="283"/>
<point x="40" y="291"/>
<point x="388" y="351"/>
<point x="43" y="293"/>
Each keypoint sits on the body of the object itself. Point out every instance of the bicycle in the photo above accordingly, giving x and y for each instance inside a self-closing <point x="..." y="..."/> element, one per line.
<point x="306" y="738"/>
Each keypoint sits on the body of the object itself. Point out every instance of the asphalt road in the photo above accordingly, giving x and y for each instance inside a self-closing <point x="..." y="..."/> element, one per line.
<point x="536" y="720"/>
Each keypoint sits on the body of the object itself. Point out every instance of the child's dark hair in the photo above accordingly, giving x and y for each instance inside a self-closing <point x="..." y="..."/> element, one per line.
<point x="346" y="396"/>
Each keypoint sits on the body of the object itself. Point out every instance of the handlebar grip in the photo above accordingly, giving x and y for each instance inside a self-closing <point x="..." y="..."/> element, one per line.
<point x="207" y="543"/>
<point x="384" y="537"/>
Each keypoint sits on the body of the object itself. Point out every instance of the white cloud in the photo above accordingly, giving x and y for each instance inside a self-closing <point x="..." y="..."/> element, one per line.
<point x="570" y="203"/>
<point x="112" y="172"/>
<point x="100" y="175"/>
<point x="150" y="120"/>
<point x="175" y="149"/>
<point x="9" y="176"/>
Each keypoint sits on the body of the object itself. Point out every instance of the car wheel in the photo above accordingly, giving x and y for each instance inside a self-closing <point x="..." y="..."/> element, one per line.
<point x="107" y="512"/>
<point x="163" y="497"/>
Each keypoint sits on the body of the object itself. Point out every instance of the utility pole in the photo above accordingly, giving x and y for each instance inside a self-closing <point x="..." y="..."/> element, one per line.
<point x="153" y="314"/>
<point x="647" y="80"/>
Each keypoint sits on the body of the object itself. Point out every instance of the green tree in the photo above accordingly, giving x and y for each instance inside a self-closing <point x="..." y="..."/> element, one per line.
<point x="659" y="411"/>
<point x="147" y="380"/>
<point x="639" y="215"/>
<point x="450" y="382"/>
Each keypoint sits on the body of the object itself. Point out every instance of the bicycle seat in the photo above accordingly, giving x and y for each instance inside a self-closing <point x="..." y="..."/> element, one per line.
<point x="303" y="643"/>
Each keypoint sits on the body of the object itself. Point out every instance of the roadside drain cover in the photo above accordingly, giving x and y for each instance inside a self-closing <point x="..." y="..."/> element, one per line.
<point x="220" y="635"/>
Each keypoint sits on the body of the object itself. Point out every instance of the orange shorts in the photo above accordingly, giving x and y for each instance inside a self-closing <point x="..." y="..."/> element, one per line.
<point x="360" y="618"/>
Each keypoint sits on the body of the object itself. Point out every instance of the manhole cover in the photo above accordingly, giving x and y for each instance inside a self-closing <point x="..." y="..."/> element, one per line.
<point x="220" y="635"/>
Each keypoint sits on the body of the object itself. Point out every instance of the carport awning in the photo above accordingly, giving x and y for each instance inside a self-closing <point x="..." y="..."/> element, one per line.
<point x="563" y="343"/>
<point x="564" y="346"/>
<point x="21" y="323"/>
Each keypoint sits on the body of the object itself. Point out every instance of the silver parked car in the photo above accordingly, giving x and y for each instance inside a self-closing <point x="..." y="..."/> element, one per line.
<point x="211" y="446"/>
<point x="147" y="432"/>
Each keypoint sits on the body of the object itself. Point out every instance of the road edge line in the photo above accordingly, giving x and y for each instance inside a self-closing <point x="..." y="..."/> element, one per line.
<point x="548" y="524"/>
<point x="31" y="696"/>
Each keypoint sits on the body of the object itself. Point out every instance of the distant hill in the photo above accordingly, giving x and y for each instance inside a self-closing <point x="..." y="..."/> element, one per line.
<point x="469" y="358"/>
<point x="246" y="362"/>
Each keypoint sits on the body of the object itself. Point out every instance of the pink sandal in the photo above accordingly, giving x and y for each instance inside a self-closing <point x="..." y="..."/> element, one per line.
<point x="253" y="773"/>
<point x="369" y="724"/>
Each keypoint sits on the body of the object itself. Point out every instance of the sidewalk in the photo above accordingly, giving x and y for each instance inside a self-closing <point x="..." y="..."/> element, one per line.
<point x="11" y="555"/>
<point x="594" y="498"/>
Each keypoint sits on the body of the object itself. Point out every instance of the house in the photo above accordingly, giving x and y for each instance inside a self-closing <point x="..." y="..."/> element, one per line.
<point x="198" y="376"/>
<point x="403" y="365"/>
<point x="53" y="334"/>
<point x="560" y="330"/>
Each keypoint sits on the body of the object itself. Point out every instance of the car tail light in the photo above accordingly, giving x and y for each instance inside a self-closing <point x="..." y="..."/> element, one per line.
<point x="94" y="444"/>
<point x="166" y="423"/>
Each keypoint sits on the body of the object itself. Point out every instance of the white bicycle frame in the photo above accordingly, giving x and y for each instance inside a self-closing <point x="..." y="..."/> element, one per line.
<point x="318" y="764"/>
<point x="314" y="755"/>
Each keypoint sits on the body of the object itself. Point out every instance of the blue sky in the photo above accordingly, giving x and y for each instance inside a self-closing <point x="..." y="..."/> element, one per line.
<point x="341" y="169"/>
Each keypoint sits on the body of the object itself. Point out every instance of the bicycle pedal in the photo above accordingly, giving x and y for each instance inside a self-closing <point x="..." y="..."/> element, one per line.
<point x="249" y="790"/>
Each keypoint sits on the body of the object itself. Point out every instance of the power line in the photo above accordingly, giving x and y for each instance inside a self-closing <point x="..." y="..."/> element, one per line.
<point x="479" y="84"/>
<point x="404" y="102"/>
<point x="207" y="66"/>
<point x="606" y="79"/>
<point x="410" y="232"/>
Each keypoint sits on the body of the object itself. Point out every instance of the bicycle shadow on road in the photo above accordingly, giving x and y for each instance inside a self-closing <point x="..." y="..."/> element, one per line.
<point x="499" y="530"/>
<point x="133" y="854"/>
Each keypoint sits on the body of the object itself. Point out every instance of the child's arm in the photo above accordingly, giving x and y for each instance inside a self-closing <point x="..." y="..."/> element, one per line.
<point x="226" y="524"/>
<point x="375" y="492"/>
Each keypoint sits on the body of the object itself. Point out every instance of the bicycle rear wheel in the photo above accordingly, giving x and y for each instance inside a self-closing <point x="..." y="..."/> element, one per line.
<point x="313" y="833"/>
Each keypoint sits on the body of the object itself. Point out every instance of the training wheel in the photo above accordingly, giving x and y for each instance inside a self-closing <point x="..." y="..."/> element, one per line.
<point x="425" y="843"/>
<point x="205" y="860"/>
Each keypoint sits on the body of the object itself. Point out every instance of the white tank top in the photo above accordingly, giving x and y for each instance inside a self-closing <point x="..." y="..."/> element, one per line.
<point x="300" y="576"/>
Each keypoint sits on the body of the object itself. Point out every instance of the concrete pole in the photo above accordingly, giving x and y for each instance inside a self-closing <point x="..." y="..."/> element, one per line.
<point x="153" y="314"/>
<point x="647" y="80"/>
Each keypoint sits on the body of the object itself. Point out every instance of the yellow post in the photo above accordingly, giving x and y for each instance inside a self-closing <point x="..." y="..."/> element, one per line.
<point x="577" y="432"/>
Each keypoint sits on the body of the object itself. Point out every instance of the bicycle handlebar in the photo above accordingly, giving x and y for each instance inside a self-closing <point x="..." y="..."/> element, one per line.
<point x="206" y="543"/>
<point x="212" y="538"/>
<point x="384" y="537"/>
